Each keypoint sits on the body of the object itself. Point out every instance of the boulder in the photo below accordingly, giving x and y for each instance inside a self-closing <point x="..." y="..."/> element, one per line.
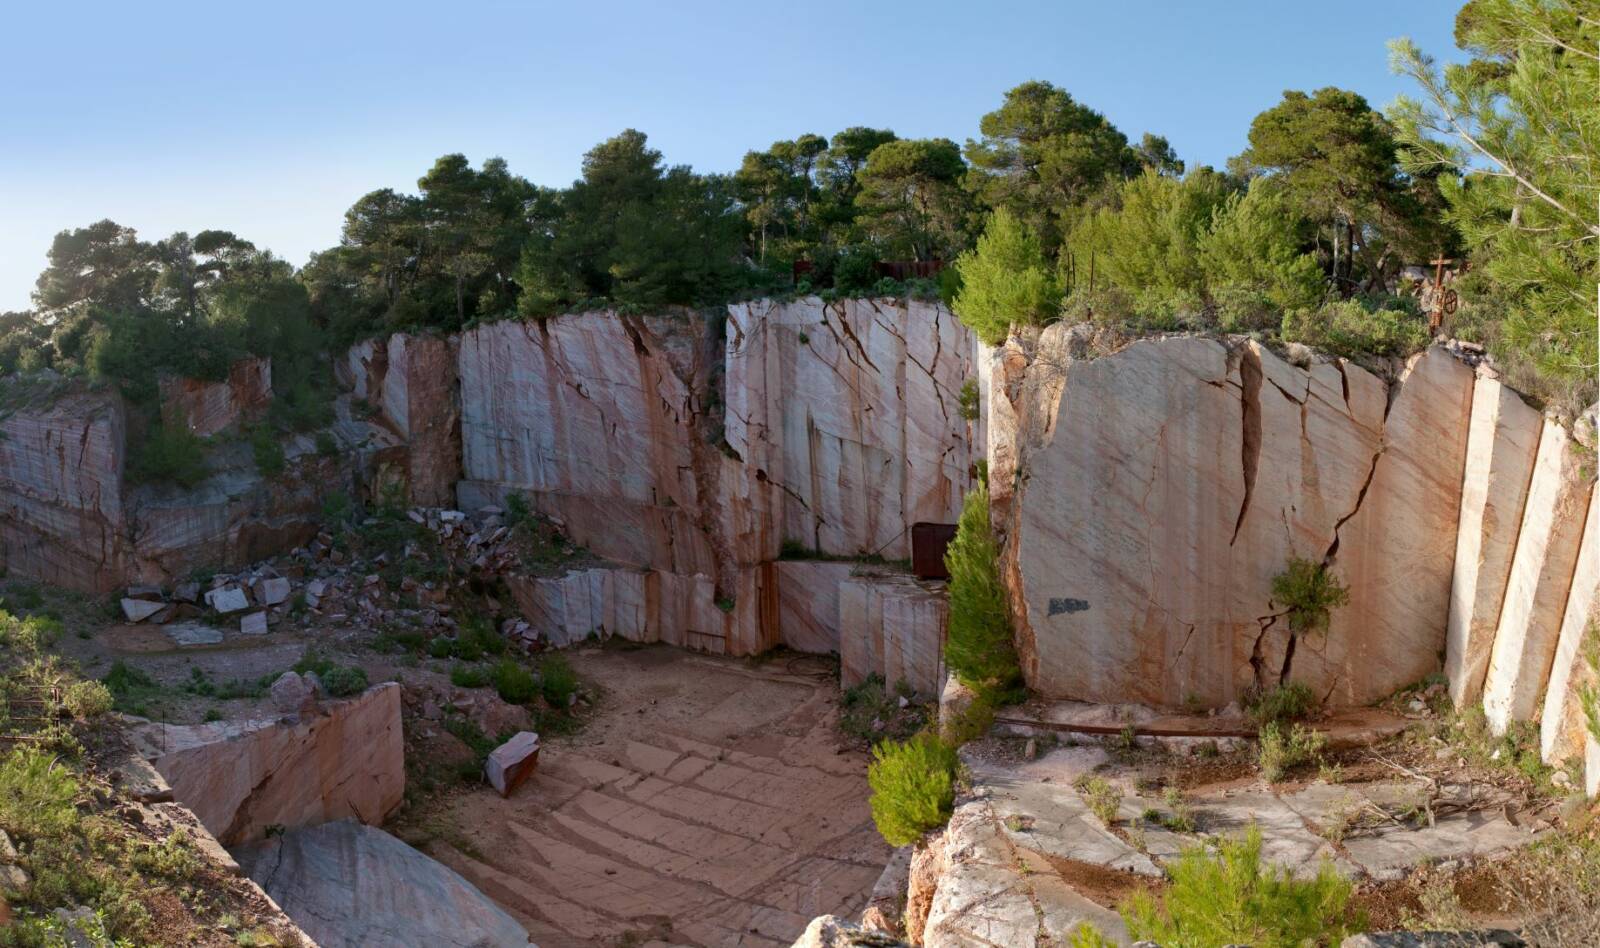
<point x="271" y="590"/>
<point x="512" y="763"/>
<point x="253" y="623"/>
<point x="186" y="592"/>
<point x="830" y="931"/>
<point x="138" y="610"/>
<point x="146" y="592"/>
<point x="353" y="886"/>
<point x="292" y="694"/>
<point x="1502" y="440"/>
<point x="226" y="599"/>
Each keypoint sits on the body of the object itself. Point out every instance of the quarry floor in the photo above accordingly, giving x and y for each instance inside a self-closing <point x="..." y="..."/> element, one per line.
<point x="706" y="802"/>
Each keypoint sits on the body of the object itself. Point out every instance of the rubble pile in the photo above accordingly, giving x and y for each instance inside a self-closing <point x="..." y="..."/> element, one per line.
<point x="398" y="575"/>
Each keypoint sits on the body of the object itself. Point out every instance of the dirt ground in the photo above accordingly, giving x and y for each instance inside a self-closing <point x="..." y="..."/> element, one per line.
<point x="706" y="802"/>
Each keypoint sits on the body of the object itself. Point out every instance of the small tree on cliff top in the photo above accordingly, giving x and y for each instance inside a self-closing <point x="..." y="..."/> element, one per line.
<point x="1005" y="280"/>
<point x="979" y="651"/>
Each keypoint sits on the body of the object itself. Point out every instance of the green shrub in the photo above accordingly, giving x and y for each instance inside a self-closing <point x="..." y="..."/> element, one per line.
<point x="468" y="676"/>
<point x="342" y="681"/>
<point x="268" y="452"/>
<point x="170" y="455"/>
<point x="517" y="512"/>
<point x="1181" y="819"/>
<point x="513" y="682"/>
<point x="87" y="700"/>
<point x="172" y="858"/>
<point x="327" y="445"/>
<point x="1005" y="279"/>
<point x="1291" y="702"/>
<point x="1282" y="752"/>
<point x="557" y="681"/>
<point x="131" y="689"/>
<point x="979" y="650"/>
<point x="1308" y="594"/>
<point x="37" y="793"/>
<point x="913" y="787"/>
<point x="1229" y="897"/>
<point x="968" y="400"/>
<point x="1103" y="797"/>
<point x="1354" y="327"/>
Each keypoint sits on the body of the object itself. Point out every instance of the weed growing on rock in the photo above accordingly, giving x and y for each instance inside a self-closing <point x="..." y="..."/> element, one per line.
<point x="1281" y="752"/>
<point x="1288" y="702"/>
<point x="1103" y="796"/>
<point x="342" y="681"/>
<point x="1181" y="817"/>
<point x="979" y="650"/>
<point x="872" y="712"/>
<point x="913" y="787"/>
<point x="1308" y="594"/>
<point x="339" y="681"/>
<point x="1222" y="894"/>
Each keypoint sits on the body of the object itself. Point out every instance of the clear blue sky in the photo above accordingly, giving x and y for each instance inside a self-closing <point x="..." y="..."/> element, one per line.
<point x="269" y="119"/>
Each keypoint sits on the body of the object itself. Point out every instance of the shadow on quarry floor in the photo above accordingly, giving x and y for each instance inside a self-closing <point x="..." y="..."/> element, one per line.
<point x="707" y="802"/>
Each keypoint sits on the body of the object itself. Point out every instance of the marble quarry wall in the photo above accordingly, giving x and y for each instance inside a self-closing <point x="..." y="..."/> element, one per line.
<point x="731" y="469"/>
<point x="1148" y="495"/>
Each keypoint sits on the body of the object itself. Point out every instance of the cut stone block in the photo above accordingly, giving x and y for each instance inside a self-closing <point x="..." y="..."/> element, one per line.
<point x="138" y="610"/>
<point x="1541" y="575"/>
<point x="512" y="762"/>
<point x="193" y="633"/>
<point x="271" y="591"/>
<point x="227" y="599"/>
<point x="253" y="623"/>
<point x="186" y="592"/>
<point x="1502" y="442"/>
<point x="148" y="592"/>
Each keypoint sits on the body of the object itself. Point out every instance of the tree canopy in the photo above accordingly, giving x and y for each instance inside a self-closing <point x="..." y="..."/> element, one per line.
<point x="1049" y="212"/>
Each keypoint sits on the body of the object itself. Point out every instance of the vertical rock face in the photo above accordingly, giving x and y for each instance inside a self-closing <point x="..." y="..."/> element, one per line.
<point x="61" y="514"/>
<point x="1396" y="551"/>
<point x="1541" y="576"/>
<point x="587" y="418"/>
<point x="420" y="392"/>
<point x="1112" y="498"/>
<point x="239" y="780"/>
<point x="851" y="411"/>
<point x="892" y="626"/>
<point x="206" y="408"/>
<point x="808" y="604"/>
<point x="1501" y="443"/>
<point x="236" y="515"/>
<point x="1562" y="727"/>
<point x="1149" y="496"/>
